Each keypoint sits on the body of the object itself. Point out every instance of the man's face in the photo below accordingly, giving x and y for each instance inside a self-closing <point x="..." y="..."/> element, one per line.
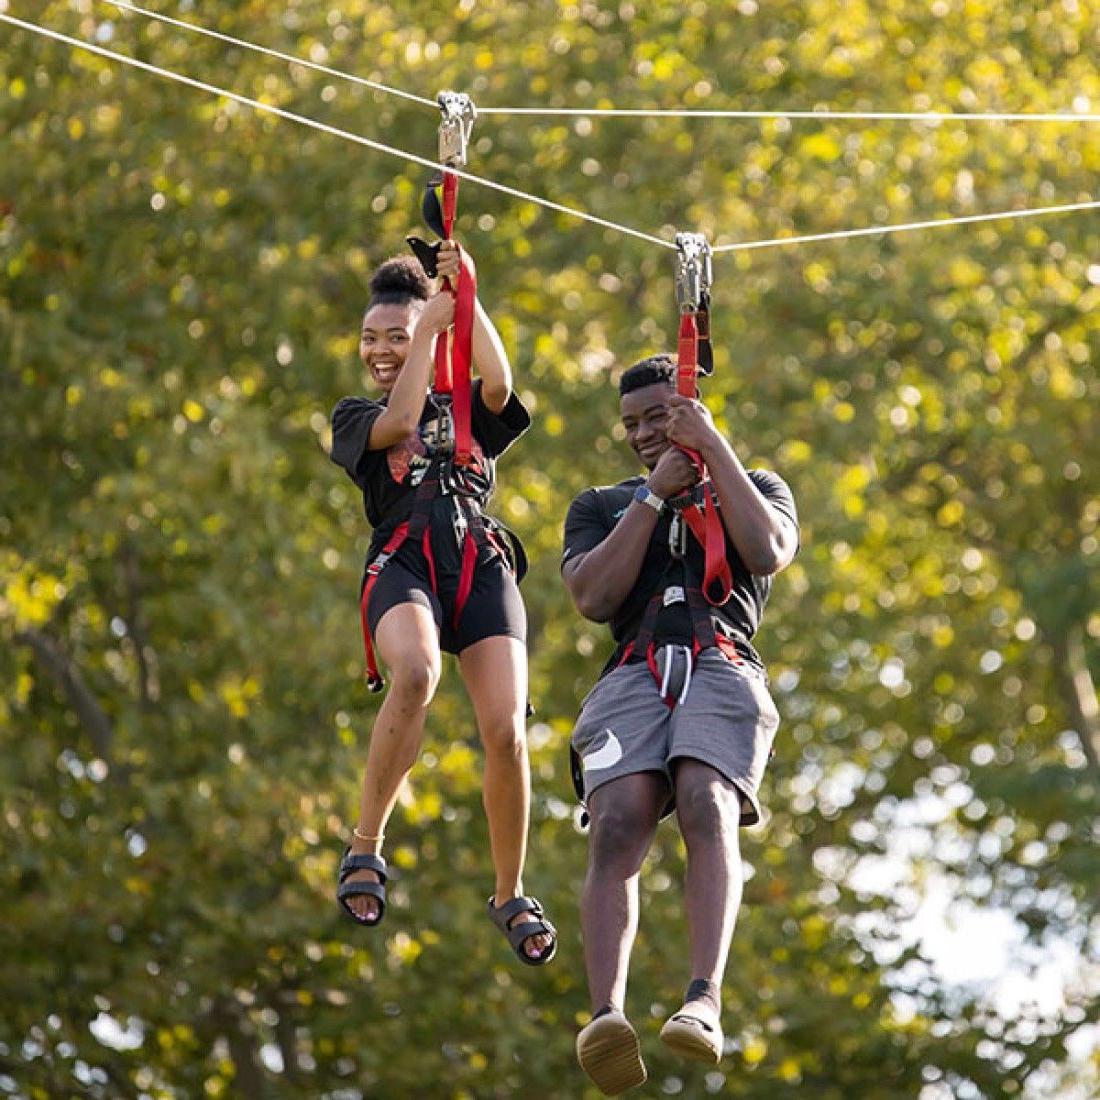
<point x="644" y="415"/>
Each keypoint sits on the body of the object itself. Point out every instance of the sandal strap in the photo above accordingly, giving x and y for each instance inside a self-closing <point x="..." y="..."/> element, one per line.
<point x="361" y="889"/>
<point x="502" y="915"/>
<point x="366" y="862"/>
<point x="518" y="933"/>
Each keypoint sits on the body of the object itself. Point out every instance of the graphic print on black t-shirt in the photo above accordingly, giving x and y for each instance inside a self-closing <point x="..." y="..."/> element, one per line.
<point x="410" y="459"/>
<point x="388" y="478"/>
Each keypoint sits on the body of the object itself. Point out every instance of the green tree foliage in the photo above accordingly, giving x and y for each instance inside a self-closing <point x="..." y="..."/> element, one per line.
<point x="184" y="719"/>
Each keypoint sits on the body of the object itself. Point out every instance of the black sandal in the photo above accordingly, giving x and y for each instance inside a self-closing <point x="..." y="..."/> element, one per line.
<point x="349" y="864"/>
<point x="517" y="934"/>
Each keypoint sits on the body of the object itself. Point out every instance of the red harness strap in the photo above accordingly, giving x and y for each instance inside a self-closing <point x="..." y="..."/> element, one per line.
<point x="703" y="635"/>
<point x="479" y="536"/>
<point x="374" y="677"/>
<point x="705" y="524"/>
<point x="454" y="350"/>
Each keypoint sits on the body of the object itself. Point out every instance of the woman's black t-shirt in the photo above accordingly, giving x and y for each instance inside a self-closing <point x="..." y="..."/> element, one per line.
<point x="388" y="478"/>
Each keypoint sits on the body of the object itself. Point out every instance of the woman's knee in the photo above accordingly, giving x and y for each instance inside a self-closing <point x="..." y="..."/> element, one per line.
<point x="414" y="676"/>
<point x="503" y="735"/>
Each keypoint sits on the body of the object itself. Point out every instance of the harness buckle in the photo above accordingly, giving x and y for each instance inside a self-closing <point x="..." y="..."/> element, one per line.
<point x="459" y="523"/>
<point x="455" y="127"/>
<point x="674" y="593"/>
<point x="694" y="273"/>
<point x="445" y="424"/>
<point x="376" y="566"/>
<point x="677" y="528"/>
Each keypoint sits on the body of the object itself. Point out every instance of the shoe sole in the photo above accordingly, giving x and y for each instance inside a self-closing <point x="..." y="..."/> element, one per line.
<point x="690" y="1041"/>
<point x="609" y="1052"/>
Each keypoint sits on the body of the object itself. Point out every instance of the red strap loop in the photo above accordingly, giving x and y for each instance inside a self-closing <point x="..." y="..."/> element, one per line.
<point x="706" y="526"/>
<point x="374" y="678"/>
<point x="454" y="350"/>
<point x="687" y="357"/>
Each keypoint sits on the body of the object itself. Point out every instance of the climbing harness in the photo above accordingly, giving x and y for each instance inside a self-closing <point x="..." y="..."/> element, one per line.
<point x="451" y="452"/>
<point x="689" y="517"/>
<point x="474" y="531"/>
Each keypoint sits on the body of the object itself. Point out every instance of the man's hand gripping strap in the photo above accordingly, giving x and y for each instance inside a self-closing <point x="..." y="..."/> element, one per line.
<point x="705" y="525"/>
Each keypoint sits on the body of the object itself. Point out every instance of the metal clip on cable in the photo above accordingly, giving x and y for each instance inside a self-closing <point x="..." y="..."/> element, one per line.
<point x="693" y="271"/>
<point x="455" y="127"/>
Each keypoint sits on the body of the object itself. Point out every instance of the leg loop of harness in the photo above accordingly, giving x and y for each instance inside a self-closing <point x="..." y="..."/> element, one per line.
<point x="704" y="636"/>
<point x="374" y="677"/>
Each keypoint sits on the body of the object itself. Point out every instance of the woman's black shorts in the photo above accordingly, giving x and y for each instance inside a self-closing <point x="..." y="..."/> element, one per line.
<point x="494" y="606"/>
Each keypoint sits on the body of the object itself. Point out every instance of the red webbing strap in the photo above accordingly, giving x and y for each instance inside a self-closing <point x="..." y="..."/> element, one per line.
<point x="429" y="557"/>
<point x="465" y="577"/>
<point x="374" y="678"/>
<point x="729" y="649"/>
<point x="687" y="359"/>
<point x="454" y="350"/>
<point x="717" y="578"/>
<point x="705" y="526"/>
<point x="479" y="536"/>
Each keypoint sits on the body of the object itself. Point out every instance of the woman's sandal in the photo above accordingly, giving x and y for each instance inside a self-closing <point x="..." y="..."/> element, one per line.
<point x="694" y="1032"/>
<point x="349" y="864"/>
<point x="609" y="1052"/>
<point x="518" y="933"/>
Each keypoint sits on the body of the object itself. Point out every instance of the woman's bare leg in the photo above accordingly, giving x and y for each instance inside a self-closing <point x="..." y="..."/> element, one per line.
<point x="407" y="641"/>
<point x="495" y="673"/>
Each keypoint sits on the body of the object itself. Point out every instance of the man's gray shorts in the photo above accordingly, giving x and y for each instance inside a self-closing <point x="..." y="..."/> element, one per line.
<point x="726" y="718"/>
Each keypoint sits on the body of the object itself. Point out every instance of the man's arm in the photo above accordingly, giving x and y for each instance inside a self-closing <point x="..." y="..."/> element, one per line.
<point x="764" y="537"/>
<point x="600" y="579"/>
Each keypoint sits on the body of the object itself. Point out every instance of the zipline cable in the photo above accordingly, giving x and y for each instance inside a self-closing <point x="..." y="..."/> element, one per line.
<point x="333" y="130"/>
<point x="271" y="53"/>
<point x="741" y="246"/>
<point x="641" y="112"/>
<point x="745" y="246"/>
<point x="899" y="116"/>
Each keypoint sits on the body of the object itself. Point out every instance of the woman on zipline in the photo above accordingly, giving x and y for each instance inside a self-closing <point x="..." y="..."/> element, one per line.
<point x="440" y="576"/>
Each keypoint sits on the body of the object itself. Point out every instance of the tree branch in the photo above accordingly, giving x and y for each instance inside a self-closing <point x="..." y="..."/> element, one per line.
<point x="249" y="1079"/>
<point x="148" y="665"/>
<point x="66" y="675"/>
<point x="1079" y="691"/>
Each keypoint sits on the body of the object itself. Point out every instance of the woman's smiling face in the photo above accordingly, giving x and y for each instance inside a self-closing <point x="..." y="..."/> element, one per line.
<point x="384" y="340"/>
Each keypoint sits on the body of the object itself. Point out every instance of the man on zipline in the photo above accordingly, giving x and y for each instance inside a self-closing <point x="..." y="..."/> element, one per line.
<point x="681" y="716"/>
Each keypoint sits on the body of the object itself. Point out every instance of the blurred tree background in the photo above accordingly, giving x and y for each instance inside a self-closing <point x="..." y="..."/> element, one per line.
<point x="183" y="716"/>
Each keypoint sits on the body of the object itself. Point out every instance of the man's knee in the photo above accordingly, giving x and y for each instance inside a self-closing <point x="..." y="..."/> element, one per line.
<point x="706" y="804"/>
<point x="620" y="835"/>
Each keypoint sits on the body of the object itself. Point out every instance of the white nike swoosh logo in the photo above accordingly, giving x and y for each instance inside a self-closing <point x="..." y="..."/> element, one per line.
<point x="608" y="754"/>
